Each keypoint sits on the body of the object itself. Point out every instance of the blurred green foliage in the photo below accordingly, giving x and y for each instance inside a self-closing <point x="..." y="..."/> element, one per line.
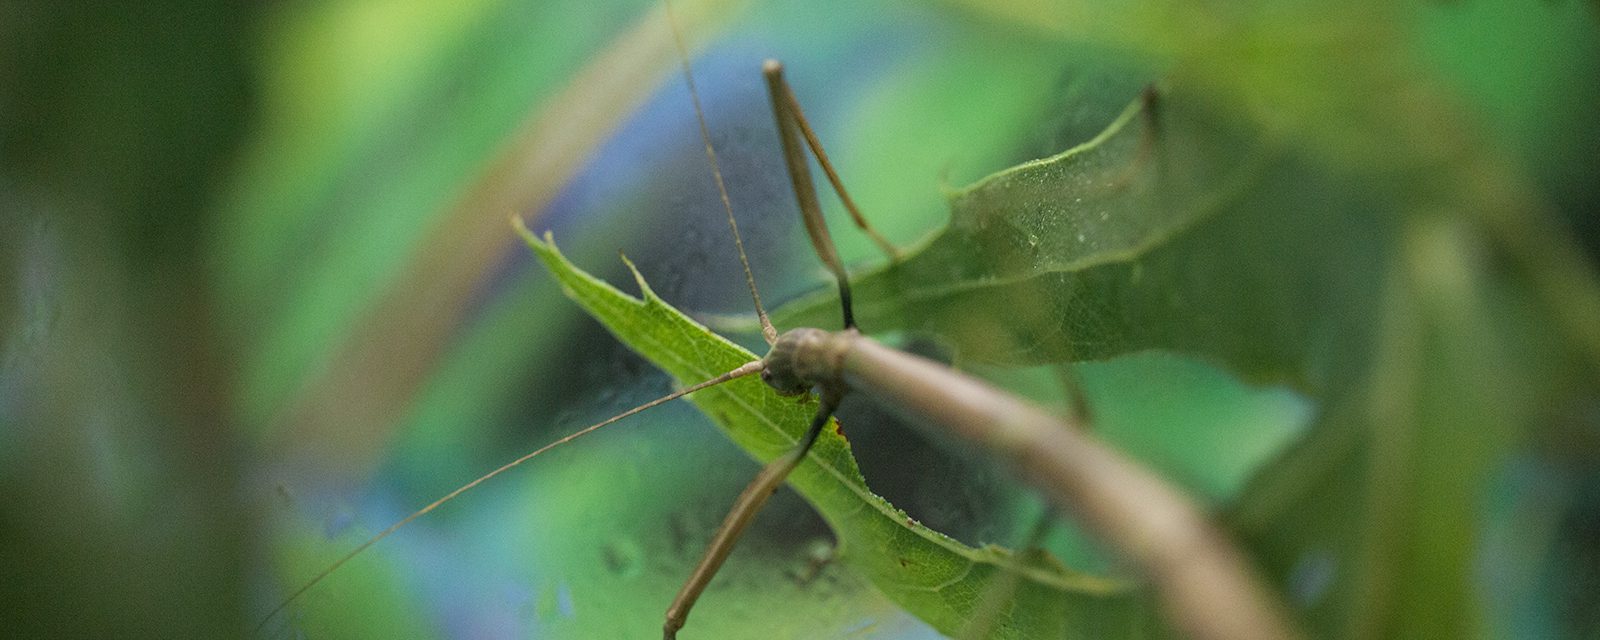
<point x="258" y="300"/>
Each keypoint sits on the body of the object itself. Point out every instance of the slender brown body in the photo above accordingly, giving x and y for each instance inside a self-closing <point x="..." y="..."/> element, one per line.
<point x="1207" y="588"/>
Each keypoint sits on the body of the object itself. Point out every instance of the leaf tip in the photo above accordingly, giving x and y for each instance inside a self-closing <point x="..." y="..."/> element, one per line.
<point x="521" y="228"/>
<point x="645" y="292"/>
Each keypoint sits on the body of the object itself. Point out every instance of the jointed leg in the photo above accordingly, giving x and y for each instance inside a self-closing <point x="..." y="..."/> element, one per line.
<point x="805" y="191"/>
<point x="780" y="91"/>
<point x="744" y="509"/>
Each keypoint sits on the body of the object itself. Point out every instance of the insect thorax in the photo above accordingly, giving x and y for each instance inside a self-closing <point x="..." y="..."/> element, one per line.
<point x="804" y="358"/>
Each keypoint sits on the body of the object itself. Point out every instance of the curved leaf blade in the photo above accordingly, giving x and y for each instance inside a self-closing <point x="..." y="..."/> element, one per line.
<point x="1171" y="230"/>
<point x="933" y="576"/>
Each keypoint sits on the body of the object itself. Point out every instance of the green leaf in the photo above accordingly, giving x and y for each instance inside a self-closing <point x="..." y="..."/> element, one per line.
<point x="1171" y="230"/>
<point x="934" y="577"/>
<point x="353" y="230"/>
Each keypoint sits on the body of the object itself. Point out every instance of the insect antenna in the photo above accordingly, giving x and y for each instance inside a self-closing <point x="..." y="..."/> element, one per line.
<point x="745" y="370"/>
<point x="767" y="330"/>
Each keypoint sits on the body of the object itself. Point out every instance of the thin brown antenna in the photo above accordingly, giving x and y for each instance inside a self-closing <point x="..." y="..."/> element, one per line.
<point x="747" y="369"/>
<point x="767" y="330"/>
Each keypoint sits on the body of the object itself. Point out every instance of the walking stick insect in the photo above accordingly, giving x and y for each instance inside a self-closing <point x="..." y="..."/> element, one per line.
<point x="1203" y="583"/>
<point x="1157" y="527"/>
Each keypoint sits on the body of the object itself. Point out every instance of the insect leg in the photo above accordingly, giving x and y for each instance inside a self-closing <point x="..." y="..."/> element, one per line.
<point x="805" y="191"/>
<point x="744" y="509"/>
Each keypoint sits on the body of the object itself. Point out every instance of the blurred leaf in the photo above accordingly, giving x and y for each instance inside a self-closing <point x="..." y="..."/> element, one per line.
<point x="1373" y="522"/>
<point x="373" y="275"/>
<point x="1460" y="376"/>
<point x="121" y="514"/>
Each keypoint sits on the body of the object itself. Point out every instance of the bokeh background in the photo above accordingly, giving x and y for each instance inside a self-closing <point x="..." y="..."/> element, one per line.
<point x="260" y="299"/>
